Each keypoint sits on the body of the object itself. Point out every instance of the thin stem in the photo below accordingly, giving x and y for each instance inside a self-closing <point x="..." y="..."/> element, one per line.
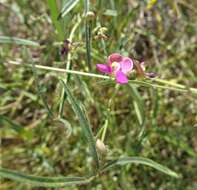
<point x="138" y="82"/>
<point x="117" y="87"/>
<point x="62" y="70"/>
<point x="170" y="83"/>
<point x="68" y="67"/>
<point x="104" y="130"/>
<point x="70" y="39"/>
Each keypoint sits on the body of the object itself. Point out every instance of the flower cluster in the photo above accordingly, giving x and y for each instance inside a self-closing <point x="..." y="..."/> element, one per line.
<point x="120" y="67"/>
<point x="117" y="65"/>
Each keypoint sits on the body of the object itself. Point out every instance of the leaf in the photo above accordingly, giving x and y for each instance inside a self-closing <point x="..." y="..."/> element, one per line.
<point x="69" y="5"/>
<point x="84" y="123"/>
<point x="18" y="41"/>
<point x="139" y="107"/>
<point x="140" y="160"/>
<point x="42" y="181"/>
<point x="54" y="14"/>
<point x="88" y="36"/>
<point x="84" y="89"/>
<point x="138" y="104"/>
<point x="88" y="44"/>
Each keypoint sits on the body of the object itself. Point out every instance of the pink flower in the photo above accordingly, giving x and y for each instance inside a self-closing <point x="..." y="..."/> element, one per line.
<point x="118" y="66"/>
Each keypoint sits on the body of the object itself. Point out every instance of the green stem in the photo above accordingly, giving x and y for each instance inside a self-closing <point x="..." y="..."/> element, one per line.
<point x="70" y="39"/>
<point x="170" y="83"/>
<point x="104" y="130"/>
<point x="137" y="82"/>
<point x="68" y="67"/>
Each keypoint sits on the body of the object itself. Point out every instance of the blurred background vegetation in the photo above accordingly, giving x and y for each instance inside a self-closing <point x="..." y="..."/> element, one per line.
<point x="163" y="33"/>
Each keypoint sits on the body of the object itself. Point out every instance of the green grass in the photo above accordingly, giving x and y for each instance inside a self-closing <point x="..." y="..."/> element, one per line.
<point x="49" y="128"/>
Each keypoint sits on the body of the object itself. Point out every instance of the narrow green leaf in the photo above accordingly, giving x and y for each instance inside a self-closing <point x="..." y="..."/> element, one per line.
<point x="42" y="181"/>
<point x="138" y="104"/>
<point x="84" y="123"/>
<point x="140" y="160"/>
<point x="88" y="43"/>
<point x="18" y="41"/>
<point x="54" y="14"/>
<point x="84" y="89"/>
<point x="69" y="5"/>
<point x="61" y="104"/>
<point x="88" y="35"/>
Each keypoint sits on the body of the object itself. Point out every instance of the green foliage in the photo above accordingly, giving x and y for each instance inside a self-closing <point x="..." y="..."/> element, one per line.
<point x="18" y="41"/>
<point x="54" y="15"/>
<point x="140" y="160"/>
<point x="42" y="181"/>
<point x="88" y="34"/>
<point x="84" y="124"/>
<point x="67" y="7"/>
<point x="146" y="120"/>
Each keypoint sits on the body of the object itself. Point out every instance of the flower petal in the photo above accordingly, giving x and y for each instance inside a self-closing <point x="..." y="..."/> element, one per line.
<point x="104" y="68"/>
<point x="114" y="57"/>
<point x="126" y="65"/>
<point x="115" y="66"/>
<point x="121" y="78"/>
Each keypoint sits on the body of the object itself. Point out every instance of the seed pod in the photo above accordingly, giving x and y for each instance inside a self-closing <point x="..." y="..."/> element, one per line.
<point x="101" y="147"/>
<point x="90" y="15"/>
